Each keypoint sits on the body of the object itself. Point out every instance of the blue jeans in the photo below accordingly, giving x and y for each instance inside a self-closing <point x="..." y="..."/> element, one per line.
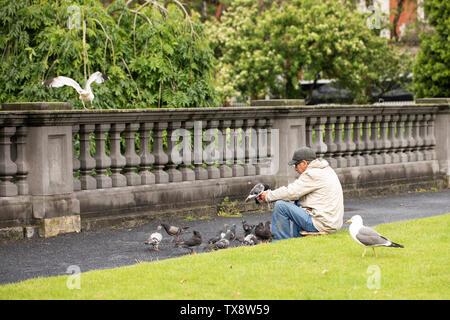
<point x="283" y="213"/>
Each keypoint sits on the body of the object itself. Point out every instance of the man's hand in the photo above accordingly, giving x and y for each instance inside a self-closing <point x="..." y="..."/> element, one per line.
<point x="262" y="197"/>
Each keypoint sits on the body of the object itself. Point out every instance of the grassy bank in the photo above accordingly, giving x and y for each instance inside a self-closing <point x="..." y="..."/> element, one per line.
<point x="324" y="267"/>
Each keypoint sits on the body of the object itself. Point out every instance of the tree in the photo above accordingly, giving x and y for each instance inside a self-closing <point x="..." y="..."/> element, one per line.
<point x="276" y="45"/>
<point x="431" y="70"/>
<point x="155" y="55"/>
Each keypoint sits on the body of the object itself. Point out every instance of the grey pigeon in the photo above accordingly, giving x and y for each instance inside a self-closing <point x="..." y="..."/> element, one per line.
<point x="154" y="239"/>
<point x="221" y="244"/>
<point x="195" y="241"/>
<point x="263" y="233"/>
<point x="230" y="234"/>
<point x="251" y="240"/>
<point x="174" y="231"/>
<point x="248" y="229"/>
<point x="256" y="191"/>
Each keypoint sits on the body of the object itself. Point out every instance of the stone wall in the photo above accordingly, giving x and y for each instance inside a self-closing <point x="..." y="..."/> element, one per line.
<point x="96" y="168"/>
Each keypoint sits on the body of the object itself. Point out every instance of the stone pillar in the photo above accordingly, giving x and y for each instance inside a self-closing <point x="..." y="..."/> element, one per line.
<point x="132" y="159"/>
<point x="442" y="134"/>
<point x="331" y="146"/>
<point x="75" y="162"/>
<point x="161" y="157"/>
<point x="238" y="169"/>
<point x="186" y="172"/>
<point x="200" y="172"/>
<point x="211" y="153"/>
<point x="147" y="158"/>
<point x="249" y="138"/>
<point x="102" y="160"/>
<point x="8" y="168"/>
<point x="87" y="162"/>
<point x="174" y="174"/>
<point x="227" y="155"/>
<point x="118" y="161"/>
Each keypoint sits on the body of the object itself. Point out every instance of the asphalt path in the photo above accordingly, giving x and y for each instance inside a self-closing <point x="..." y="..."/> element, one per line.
<point x="84" y="251"/>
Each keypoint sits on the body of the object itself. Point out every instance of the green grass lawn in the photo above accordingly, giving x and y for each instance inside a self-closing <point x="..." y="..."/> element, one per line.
<point x="323" y="267"/>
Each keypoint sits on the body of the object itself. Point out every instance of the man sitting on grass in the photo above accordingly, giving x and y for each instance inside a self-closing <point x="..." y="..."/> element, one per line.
<point x="319" y="202"/>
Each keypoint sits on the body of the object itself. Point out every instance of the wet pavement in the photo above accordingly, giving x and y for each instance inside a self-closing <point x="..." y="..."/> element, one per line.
<point x="25" y="259"/>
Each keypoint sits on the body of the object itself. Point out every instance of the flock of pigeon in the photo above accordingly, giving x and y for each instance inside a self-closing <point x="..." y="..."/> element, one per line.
<point x="253" y="235"/>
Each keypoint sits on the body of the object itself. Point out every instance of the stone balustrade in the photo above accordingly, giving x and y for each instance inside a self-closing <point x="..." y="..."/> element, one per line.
<point x="136" y="163"/>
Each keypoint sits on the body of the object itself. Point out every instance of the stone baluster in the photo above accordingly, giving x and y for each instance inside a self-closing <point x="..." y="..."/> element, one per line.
<point x="431" y="144"/>
<point x="118" y="161"/>
<point x="8" y="168"/>
<point x="270" y="153"/>
<point x="350" y="145"/>
<point x="76" y="161"/>
<point x="22" y="168"/>
<point x="393" y="137"/>
<point x="331" y="146"/>
<point x="173" y="153"/>
<point x="319" y="146"/>
<point x="211" y="153"/>
<point x="249" y="139"/>
<point x="310" y="122"/>
<point x="384" y="138"/>
<point x="146" y="157"/>
<point x="359" y="142"/>
<point x="410" y="138"/>
<point x="401" y="127"/>
<point x="341" y="146"/>
<point x="416" y="137"/>
<point x="262" y="146"/>
<point x="161" y="157"/>
<point x="238" y="169"/>
<point x="186" y="172"/>
<point x="200" y="172"/>
<point x="227" y="151"/>
<point x="421" y="141"/>
<point x="132" y="159"/>
<point x="377" y="141"/>
<point x="102" y="160"/>
<point x="87" y="162"/>
<point x="368" y="144"/>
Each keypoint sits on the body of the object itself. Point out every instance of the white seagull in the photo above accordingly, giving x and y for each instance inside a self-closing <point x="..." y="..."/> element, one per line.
<point x="367" y="236"/>
<point x="86" y="93"/>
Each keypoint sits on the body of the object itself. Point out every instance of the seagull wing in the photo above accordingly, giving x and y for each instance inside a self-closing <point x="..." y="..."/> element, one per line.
<point x="61" y="81"/>
<point x="370" y="237"/>
<point x="96" y="77"/>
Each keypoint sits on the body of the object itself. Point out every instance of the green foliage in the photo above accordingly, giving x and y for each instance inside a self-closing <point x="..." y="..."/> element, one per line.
<point x="431" y="69"/>
<point x="155" y="56"/>
<point x="265" y="46"/>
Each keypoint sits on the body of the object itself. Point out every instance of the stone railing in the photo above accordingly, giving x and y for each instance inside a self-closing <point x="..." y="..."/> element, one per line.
<point x="135" y="165"/>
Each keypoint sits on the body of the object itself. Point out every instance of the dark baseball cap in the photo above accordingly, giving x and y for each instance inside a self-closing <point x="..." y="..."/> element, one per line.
<point x="304" y="153"/>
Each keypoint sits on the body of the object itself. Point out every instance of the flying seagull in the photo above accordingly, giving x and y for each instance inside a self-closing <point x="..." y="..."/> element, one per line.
<point x="256" y="191"/>
<point x="154" y="239"/>
<point x="86" y="93"/>
<point x="367" y="236"/>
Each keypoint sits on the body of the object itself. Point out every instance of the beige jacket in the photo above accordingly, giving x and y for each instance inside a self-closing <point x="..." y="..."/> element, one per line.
<point x="320" y="193"/>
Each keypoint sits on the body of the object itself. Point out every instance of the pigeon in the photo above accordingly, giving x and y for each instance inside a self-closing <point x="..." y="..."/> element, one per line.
<point x="230" y="234"/>
<point x="195" y="241"/>
<point x="248" y="229"/>
<point x="221" y="244"/>
<point x="263" y="233"/>
<point x="86" y="93"/>
<point x="367" y="236"/>
<point x="154" y="239"/>
<point x="174" y="231"/>
<point x="251" y="240"/>
<point x="256" y="192"/>
<point x="221" y="234"/>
